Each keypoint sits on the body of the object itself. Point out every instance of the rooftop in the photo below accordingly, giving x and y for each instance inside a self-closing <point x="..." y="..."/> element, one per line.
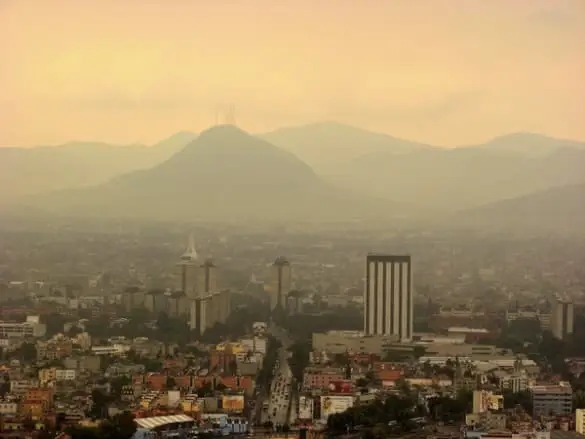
<point x="159" y="421"/>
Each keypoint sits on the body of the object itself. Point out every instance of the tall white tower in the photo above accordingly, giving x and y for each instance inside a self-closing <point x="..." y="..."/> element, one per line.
<point x="189" y="270"/>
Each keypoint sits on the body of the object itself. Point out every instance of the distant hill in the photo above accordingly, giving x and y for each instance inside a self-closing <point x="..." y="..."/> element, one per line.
<point x="166" y="148"/>
<point x="328" y="145"/>
<point x="458" y="178"/>
<point x="224" y="174"/>
<point x="353" y="166"/>
<point x="26" y="171"/>
<point x="560" y="208"/>
<point x="529" y="144"/>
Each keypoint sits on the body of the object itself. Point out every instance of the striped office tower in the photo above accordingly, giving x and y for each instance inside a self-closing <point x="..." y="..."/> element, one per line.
<point x="388" y="298"/>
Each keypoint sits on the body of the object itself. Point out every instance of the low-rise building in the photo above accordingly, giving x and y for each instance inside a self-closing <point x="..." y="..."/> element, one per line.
<point x="554" y="400"/>
<point x="321" y="377"/>
<point x="580" y="421"/>
<point x="22" y="330"/>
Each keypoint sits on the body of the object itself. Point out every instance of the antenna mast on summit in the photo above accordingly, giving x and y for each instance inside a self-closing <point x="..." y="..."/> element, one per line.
<point x="231" y="115"/>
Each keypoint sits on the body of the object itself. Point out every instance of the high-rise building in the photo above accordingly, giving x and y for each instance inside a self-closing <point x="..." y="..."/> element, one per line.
<point x="207" y="278"/>
<point x="208" y="310"/>
<point x="388" y="296"/>
<point x="281" y="283"/>
<point x="562" y="319"/>
<point x="133" y="298"/>
<point x="210" y="306"/>
<point x="189" y="271"/>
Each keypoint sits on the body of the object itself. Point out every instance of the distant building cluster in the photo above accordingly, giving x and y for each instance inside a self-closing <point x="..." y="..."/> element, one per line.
<point x="197" y="296"/>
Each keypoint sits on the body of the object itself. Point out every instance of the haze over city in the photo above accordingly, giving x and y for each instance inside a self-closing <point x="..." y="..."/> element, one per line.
<point x="440" y="72"/>
<point x="267" y="219"/>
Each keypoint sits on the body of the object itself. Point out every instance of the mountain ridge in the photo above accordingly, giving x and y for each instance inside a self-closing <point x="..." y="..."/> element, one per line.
<point x="560" y="208"/>
<point x="223" y="173"/>
<point x="407" y="174"/>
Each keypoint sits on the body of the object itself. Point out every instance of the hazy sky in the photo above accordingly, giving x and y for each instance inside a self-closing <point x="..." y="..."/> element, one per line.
<point x="440" y="71"/>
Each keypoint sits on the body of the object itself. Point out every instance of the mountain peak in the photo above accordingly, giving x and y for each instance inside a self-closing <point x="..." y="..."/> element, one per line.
<point x="224" y="131"/>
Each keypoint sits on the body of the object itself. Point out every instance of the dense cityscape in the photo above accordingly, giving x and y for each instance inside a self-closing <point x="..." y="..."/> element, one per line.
<point x="127" y="329"/>
<point x="265" y="219"/>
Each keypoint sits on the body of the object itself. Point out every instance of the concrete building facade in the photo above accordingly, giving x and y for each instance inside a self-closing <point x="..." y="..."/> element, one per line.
<point x="280" y="284"/>
<point x="552" y="400"/>
<point x="388" y="296"/>
<point x="562" y="319"/>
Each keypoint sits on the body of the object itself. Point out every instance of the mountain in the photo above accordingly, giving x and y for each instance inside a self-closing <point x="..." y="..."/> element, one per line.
<point x="25" y="171"/>
<point x="560" y="208"/>
<point x="224" y="174"/>
<point x="458" y="178"/>
<point x="327" y="146"/>
<point x="529" y="144"/>
<point x="171" y="145"/>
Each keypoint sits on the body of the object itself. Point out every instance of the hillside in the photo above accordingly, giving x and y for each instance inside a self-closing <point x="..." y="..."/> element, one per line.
<point x="560" y="208"/>
<point x="529" y="144"/>
<point x="327" y="146"/>
<point x="452" y="179"/>
<point x="358" y="163"/>
<point x="225" y="174"/>
<point x="25" y="171"/>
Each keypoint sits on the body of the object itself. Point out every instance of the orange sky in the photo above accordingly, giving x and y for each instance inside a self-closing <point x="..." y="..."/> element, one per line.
<point x="441" y="71"/>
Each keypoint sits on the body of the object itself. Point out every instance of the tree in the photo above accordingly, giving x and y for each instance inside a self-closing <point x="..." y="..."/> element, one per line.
<point x="205" y="390"/>
<point x="54" y="323"/>
<point x="403" y="386"/>
<point x="375" y="417"/>
<point x="419" y="351"/>
<point x="264" y="376"/>
<point x="445" y="408"/>
<point x="4" y="385"/>
<point x="361" y="382"/>
<point x="121" y="426"/>
<point x="299" y="359"/>
<point x="74" y="331"/>
<point x="522" y="399"/>
<point x="99" y="404"/>
<point x="78" y="432"/>
<point x="171" y="383"/>
<point x="28" y="424"/>
<point x="579" y="399"/>
<point x="116" y="385"/>
<point x="28" y="352"/>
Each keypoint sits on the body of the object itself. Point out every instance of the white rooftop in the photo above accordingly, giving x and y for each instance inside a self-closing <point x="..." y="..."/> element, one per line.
<point x="159" y="421"/>
<point x="468" y="330"/>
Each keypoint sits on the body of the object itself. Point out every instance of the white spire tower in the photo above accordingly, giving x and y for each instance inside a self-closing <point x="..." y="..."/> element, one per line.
<point x="191" y="253"/>
<point x="189" y="269"/>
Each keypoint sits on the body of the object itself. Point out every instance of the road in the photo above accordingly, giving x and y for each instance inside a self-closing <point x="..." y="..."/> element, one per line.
<point x="275" y="406"/>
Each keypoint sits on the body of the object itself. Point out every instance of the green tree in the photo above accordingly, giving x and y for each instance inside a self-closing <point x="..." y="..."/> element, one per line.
<point x="121" y="426"/>
<point x="419" y="351"/>
<point x="116" y="385"/>
<point x="171" y="383"/>
<point x="28" y="352"/>
<point x="28" y="424"/>
<point x="205" y="390"/>
<point x="376" y="417"/>
<point x="99" y="404"/>
<point x="79" y="432"/>
<point x="522" y="399"/>
<point x="299" y="359"/>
